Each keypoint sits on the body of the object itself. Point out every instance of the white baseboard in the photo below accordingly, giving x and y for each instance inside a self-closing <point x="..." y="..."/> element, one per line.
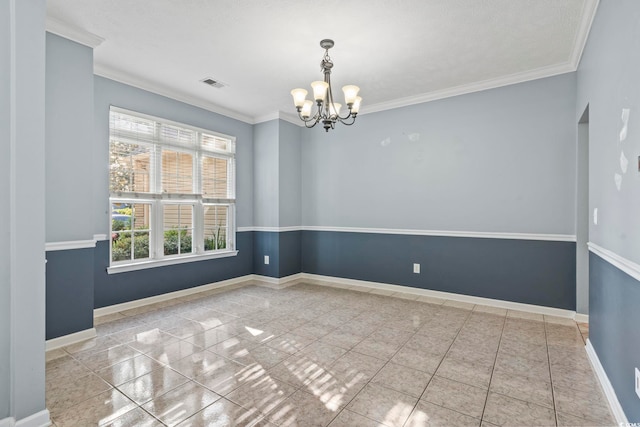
<point x="7" y="422"/>
<point x="103" y="311"/>
<point x="582" y="318"/>
<point x="74" y="338"/>
<point x="39" y="419"/>
<point x="279" y="282"/>
<point x="538" y="309"/>
<point x="609" y="392"/>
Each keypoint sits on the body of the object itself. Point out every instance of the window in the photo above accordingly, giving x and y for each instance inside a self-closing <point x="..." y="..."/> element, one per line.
<point x="172" y="192"/>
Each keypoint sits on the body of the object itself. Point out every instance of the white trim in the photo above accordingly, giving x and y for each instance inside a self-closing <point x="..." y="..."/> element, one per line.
<point x="78" y="35"/>
<point x="279" y="282"/>
<point x="281" y="115"/>
<point x="100" y="237"/>
<point x="39" y="419"/>
<point x="114" y="269"/>
<point x="582" y="318"/>
<point x="608" y="389"/>
<point x="509" y="305"/>
<point x="465" y="89"/>
<point x="629" y="267"/>
<point x="271" y="229"/>
<point x="7" y="422"/>
<point x="141" y="83"/>
<point x="66" y="340"/>
<point x="589" y="13"/>
<point x="103" y="311"/>
<point x="72" y="244"/>
<point x="414" y="232"/>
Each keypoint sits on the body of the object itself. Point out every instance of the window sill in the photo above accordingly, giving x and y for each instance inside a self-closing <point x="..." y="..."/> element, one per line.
<point x="123" y="268"/>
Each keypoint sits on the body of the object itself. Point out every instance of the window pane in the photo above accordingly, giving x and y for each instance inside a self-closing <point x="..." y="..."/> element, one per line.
<point x="214" y="177"/>
<point x="177" y="172"/>
<point x="123" y="216"/>
<point x="129" y="166"/>
<point x="215" y="227"/>
<point x="176" y="135"/>
<point x="178" y="229"/>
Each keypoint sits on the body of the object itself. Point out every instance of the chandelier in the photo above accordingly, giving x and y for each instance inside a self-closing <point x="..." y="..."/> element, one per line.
<point x="327" y="111"/>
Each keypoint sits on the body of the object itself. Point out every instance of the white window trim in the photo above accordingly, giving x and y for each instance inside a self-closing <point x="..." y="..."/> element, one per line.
<point x="158" y="200"/>
<point x="123" y="268"/>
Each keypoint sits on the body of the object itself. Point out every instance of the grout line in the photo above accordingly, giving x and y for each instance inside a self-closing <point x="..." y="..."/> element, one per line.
<point x="553" y="395"/>
<point x="495" y="361"/>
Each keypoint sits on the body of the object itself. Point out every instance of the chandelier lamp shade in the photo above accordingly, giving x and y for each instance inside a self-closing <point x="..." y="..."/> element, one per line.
<point x="327" y="111"/>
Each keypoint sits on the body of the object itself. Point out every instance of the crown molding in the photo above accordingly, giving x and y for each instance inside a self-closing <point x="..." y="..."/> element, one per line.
<point x="279" y="115"/>
<point x="128" y="79"/>
<point x="588" y="15"/>
<point x="512" y="79"/>
<point x="78" y="35"/>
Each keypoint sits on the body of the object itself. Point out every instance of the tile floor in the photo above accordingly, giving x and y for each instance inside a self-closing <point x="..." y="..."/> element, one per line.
<point x="312" y="355"/>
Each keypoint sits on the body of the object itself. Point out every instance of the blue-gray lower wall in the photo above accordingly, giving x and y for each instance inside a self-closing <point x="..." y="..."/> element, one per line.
<point x="117" y="288"/>
<point x="69" y="291"/>
<point x="526" y="271"/>
<point x="284" y="251"/>
<point x="614" y="317"/>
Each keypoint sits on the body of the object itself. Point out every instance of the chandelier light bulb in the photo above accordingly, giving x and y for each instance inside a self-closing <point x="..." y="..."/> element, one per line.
<point x="356" y="105"/>
<point x="350" y="93"/>
<point x="299" y="96"/>
<point x="319" y="90"/>
<point x="334" y="109"/>
<point x="306" y="109"/>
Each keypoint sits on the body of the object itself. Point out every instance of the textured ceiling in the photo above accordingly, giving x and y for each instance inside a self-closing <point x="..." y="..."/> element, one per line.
<point x="398" y="51"/>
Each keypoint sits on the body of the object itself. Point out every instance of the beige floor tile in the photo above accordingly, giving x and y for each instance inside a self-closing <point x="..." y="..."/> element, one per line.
<point x="129" y="369"/>
<point x="523" y="388"/>
<point x="417" y="359"/>
<point x="382" y="404"/>
<point x="456" y="396"/>
<point x="459" y="304"/>
<point x="376" y="348"/>
<point x="224" y="413"/>
<point x="525" y="315"/>
<point x="471" y="373"/>
<point x="523" y="349"/>
<point x="403" y="379"/>
<point x="105" y="358"/>
<point x="342" y="338"/>
<point x="264" y="395"/>
<point x="228" y="376"/>
<point x="150" y="339"/>
<point x="518" y="366"/>
<point x="303" y="409"/>
<point x="323" y="354"/>
<point x="64" y="367"/>
<point x="210" y="337"/>
<point x="180" y="403"/>
<point x="137" y="417"/>
<point x="290" y="343"/>
<point x="262" y="356"/>
<point x="52" y="355"/>
<point x="101" y="409"/>
<point x="108" y="318"/>
<point x="93" y="345"/>
<point x="152" y="385"/>
<point x="429" y="415"/>
<point x="233" y="347"/>
<point x="588" y="405"/>
<point x="173" y="352"/>
<point x="565" y="420"/>
<point x="489" y="309"/>
<point x="347" y="418"/>
<point x="503" y="410"/>
<point x="63" y="394"/>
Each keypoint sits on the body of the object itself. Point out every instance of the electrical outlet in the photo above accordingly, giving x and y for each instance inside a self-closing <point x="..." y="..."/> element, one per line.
<point x="638" y="382"/>
<point x="266" y="259"/>
<point x="416" y="268"/>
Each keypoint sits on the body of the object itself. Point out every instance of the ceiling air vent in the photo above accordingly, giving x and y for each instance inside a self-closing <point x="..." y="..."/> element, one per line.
<point x="214" y="83"/>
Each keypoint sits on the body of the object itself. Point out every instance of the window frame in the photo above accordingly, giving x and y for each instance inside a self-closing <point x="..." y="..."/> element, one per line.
<point x="158" y="199"/>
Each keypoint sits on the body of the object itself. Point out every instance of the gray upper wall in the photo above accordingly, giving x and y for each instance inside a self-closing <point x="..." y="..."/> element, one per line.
<point x="5" y="196"/>
<point x="111" y="93"/>
<point x="290" y="175"/>
<point x="501" y="160"/>
<point x="265" y="174"/>
<point x="609" y="81"/>
<point x="69" y="131"/>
